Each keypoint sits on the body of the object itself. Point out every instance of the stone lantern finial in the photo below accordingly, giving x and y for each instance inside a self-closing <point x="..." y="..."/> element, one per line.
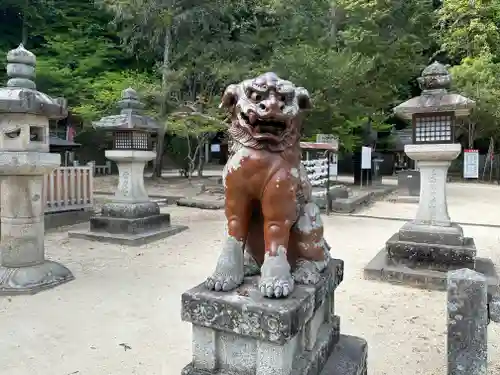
<point x="130" y="102"/>
<point x="21" y="65"/>
<point x="435" y="78"/>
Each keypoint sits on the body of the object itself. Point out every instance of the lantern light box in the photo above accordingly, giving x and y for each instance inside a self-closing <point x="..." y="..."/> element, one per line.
<point x="433" y="127"/>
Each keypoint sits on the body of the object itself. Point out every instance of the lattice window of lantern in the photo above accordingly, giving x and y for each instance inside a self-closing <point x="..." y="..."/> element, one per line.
<point x="140" y="141"/>
<point x="433" y="128"/>
<point x="123" y="140"/>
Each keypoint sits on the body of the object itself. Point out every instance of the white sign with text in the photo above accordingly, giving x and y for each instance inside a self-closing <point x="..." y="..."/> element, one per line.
<point x="366" y="157"/>
<point x="471" y="164"/>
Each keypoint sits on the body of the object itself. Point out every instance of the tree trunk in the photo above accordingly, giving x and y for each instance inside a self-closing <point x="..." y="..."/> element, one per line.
<point x="201" y="158"/>
<point x="24" y="31"/>
<point x="160" y="143"/>
<point x="333" y="25"/>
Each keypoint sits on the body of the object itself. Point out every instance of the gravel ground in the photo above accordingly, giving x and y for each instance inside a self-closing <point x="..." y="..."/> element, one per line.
<point x="122" y="313"/>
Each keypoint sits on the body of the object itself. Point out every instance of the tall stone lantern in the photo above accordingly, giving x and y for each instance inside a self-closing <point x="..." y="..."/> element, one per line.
<point x="131" y="217"/>
<point x="425" y="248"/>
<point x="24" y="161"/>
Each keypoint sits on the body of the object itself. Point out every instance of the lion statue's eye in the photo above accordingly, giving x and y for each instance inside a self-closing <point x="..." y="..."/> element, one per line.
<point x="255" y="96"/>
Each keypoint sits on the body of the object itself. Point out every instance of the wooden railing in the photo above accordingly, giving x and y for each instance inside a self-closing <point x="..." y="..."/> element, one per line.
<point x="99" y="170"/>
<point x="69" y="188"/>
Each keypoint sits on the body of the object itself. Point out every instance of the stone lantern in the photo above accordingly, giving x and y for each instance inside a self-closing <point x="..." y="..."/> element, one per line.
<point x="24" y="161"/>
<point x="431" y="244"/>
<point x="131" y="217"/>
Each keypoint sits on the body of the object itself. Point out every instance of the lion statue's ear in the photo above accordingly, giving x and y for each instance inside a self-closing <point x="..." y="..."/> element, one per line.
<point x="230" y="97"/>
<point x="303" y="98"/>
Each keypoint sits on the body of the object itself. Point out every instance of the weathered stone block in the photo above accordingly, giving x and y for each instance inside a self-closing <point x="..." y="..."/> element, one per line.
<point x="352" y="203"/>
<point x="467" y="323"/>
<point x="337" y="192"/>
<point x="204" y="348"/>
<point x="33" y="279"/>
<point x="230" y="353"/>
<point x="432" y="252"/>
<point x="66" y="218"/>
<point x="243" y="333"/>
<point x="495" y="309"/>
<point x="313" y="325"/>
<point x="203" y="204"/>
<point x="245" y="312"/>
<point x="349" y="357"/>
<point x="130" y="210"/>
<point x="452" y="235"/>
<point x="129" y="225"/>
<point x="129" y="239"/>
<point x="424" y="275"/>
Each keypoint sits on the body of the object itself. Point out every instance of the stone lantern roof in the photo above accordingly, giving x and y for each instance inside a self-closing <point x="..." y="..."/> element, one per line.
<point x="20" y="95"/>
<point x="435" y="82"/>
<point x="130" y="117"/>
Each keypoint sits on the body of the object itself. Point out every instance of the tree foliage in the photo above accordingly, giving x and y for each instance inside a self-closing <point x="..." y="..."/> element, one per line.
<point x="469" y="34"/>
<point x="357" y="58"/>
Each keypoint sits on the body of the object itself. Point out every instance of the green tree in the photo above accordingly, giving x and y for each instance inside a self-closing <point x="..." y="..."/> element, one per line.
<point x="479" y="78"/>
<point x="468" y="31"/>
<point x="152" y="26"/>
<point x="357" y="58"/>
<point x="469" y="28"/>
<point x="78" y="54"/>
<point x="196" y="128"/>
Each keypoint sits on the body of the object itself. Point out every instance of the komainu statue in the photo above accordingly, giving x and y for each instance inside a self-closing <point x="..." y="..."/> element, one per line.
<point x="274" y="228"/>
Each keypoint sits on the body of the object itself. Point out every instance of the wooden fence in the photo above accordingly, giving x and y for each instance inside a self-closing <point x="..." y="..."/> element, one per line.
<point x="69" y="188"/>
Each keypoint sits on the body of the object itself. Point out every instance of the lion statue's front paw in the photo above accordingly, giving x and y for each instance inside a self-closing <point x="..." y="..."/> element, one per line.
<point x="276" y="287"/>
<point x="276" y="280"/>
<point x="228" y="273"/>
<point x="223" y="283"/>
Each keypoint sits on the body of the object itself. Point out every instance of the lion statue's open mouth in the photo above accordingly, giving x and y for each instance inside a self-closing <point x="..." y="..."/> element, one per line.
<point x="270" y="128"/>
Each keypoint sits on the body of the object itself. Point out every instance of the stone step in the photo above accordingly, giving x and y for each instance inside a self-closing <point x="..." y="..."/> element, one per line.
<point x="311" y="362"/>
<point x="203" y="204"/>
<point x="349" y="357"/>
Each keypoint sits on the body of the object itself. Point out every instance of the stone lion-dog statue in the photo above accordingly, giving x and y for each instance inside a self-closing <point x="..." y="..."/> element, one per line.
<point x="274" y="228"/>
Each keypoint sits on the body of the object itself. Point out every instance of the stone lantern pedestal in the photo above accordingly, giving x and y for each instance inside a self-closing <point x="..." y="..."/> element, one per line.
<point x="24" y="269"/>
<point x="432" y="237"/>
<point x="432" y="224"/>
<point x="131" y="218"/>
<point x="422" y="252"/>
<point x="24" y="162"/>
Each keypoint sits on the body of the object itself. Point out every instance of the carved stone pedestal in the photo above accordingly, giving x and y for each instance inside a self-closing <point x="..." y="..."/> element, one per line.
<point x="23" y="267"/>
<point x="243" y="333"/>
<point x="131" y="218"/>
<point x="424" y="250"/>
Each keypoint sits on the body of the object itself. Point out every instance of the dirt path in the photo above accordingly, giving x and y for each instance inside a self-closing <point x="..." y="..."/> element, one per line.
<point x="122" y="313"/>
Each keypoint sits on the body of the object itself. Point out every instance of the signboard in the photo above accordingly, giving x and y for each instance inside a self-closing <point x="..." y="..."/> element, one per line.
<point x="215" y="147"/>
<point x="334" y="165"/>
<point x="328" y="138"/>
<point x="471" y="164"/>
<point x="366" y="157"/>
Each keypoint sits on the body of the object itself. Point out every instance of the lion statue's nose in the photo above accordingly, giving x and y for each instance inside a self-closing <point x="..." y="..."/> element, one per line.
<point x="271" y="106"/>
